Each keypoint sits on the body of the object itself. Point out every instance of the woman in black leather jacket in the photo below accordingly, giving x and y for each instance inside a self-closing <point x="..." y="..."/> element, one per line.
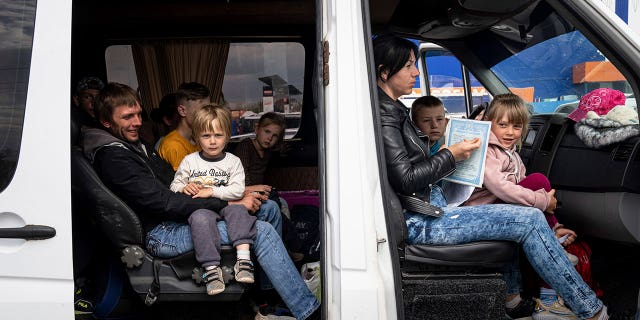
<point x="413" y="173"/>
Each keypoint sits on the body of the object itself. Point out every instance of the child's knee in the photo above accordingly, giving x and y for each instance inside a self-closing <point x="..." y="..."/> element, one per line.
<point x="202" y="216"/>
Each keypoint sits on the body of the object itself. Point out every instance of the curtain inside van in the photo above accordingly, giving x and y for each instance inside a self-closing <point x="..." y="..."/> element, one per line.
<point x="161" y="66"/>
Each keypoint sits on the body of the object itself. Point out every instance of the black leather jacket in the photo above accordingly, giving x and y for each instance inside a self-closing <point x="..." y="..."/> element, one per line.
<point x="410" y="169"/>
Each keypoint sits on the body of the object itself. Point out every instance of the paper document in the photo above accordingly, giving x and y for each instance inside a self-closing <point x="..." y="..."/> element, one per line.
<point x="470" y="171"/>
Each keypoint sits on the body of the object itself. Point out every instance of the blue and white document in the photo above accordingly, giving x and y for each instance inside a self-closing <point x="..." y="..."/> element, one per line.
<point x="471" y="171"/>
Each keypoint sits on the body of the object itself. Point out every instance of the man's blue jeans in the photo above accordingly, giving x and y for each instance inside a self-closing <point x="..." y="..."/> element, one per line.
<point x="524" y="225"/>
<point x="170" y="239"/>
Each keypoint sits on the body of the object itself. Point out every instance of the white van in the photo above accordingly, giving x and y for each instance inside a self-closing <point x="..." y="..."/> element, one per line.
<point x="315" y="58"/>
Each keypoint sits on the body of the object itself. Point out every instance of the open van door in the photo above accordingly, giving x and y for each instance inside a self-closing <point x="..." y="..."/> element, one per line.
<point x="35" y="206"/>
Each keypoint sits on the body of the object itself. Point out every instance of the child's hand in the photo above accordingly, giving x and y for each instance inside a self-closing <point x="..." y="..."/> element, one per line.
<point x="553" y="202"/>
<point x="570" y="235"/>
<point x="204" y="193"/>
<point x="192" y="188"/>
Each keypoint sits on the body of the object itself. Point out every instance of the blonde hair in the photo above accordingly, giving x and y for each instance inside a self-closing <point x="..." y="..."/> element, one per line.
<point x="511" y="106"/>
<point x="204" y="118"/>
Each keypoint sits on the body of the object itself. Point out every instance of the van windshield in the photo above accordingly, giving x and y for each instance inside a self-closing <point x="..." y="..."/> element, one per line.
<point x="553" y="74"/>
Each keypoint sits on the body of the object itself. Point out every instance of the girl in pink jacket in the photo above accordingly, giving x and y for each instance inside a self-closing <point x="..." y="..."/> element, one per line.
<point x="505" y="179"/>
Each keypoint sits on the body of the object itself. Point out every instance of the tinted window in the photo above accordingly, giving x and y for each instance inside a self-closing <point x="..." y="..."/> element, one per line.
<point x="16" y="37"/>
<point x="259" y="77"/>
<point x="553" y="74"/>
<point x="446" y="82"/>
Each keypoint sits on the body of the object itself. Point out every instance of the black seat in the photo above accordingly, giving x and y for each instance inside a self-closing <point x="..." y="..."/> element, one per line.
<point x="484" y="254"/>
<point x="450" y="281"/>
<point x="178" y="277"/>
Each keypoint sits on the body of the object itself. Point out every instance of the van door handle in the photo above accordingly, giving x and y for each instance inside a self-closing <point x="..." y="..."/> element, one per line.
<point x="28" y="232"/>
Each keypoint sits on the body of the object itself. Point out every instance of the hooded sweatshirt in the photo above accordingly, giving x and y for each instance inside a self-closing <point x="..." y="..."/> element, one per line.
<point x="138" y="176"/>
<point x="503" y="171"/>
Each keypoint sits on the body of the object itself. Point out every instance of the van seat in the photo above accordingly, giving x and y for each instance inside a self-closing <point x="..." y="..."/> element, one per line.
<point x="122" y="228"/>
<point x="484" y="254"/>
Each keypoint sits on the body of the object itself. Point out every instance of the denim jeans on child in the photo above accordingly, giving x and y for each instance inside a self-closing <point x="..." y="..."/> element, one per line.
<point x="524" y="225"/>
<point x="168" y="239"/>
<point x="172" y="238"/>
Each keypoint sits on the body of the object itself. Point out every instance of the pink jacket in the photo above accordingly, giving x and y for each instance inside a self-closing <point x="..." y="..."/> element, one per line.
<point x="503" y="171"/>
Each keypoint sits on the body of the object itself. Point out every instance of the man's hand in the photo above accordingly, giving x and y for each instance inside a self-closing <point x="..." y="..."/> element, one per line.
<point x="192" y="188"/>
<point x="251" y="201"/>
<point x="463" y="149"/>
<point x="259" y="188"/>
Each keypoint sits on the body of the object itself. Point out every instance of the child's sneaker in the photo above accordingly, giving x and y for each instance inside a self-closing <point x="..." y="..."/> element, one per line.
<point x="556" y="311"/>
<point x="243" y="271"/>
<point x="213" y="280"/>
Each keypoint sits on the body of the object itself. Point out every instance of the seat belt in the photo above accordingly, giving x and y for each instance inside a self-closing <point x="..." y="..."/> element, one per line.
<point x="154" y="288"/>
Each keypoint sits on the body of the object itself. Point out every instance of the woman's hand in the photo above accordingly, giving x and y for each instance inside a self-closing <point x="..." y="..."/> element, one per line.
<point x="463" y="149"/>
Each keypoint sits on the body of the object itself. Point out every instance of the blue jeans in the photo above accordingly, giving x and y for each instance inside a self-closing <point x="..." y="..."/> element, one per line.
<point x="168" y="240"/>
<point x="270" y="212"/>
<point x="269" y="250"/>
<point x="524" y="225"/>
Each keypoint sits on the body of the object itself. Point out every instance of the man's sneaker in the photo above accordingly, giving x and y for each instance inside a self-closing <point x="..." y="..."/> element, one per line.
<point x="267" y="312"/>
<point x="556" y="311"/>
<point x="82" y="305"/>
<point x="524" y="309"/>
<point x="260" y="316"/>
<point x="243" y="270"/>
<point x="213" y="280"/>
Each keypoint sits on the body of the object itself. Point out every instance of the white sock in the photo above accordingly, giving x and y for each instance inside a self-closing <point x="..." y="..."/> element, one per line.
<point x="243" y="255"/>
<point x="513" y="302"/>
<point x="210" y="268"/>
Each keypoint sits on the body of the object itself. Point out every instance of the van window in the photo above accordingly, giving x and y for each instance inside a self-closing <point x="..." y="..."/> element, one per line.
<point x="553" y="74"/>
<point x="16" y="38"/>
<point x="446" y="82"/>
<point x="259" y="77"/>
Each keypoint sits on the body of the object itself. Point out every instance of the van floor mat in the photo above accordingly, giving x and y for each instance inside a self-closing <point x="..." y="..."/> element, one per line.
<point x="477" y="298"/>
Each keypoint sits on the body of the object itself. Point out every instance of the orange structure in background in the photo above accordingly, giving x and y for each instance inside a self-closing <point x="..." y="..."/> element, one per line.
<point x="596" y="71"/>
<point x="525" y="93"/>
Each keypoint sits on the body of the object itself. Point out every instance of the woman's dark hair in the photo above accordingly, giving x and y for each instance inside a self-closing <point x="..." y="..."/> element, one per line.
<point x="390" y="53"/>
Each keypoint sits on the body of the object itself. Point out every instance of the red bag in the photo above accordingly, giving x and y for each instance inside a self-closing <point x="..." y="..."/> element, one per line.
<point x="581" y="250"/>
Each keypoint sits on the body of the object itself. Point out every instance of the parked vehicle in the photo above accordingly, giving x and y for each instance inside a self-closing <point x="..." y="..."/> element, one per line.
<point x="315" y="58"/>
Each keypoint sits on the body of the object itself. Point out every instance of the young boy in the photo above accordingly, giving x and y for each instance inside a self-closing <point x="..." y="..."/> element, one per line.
<point x="212" y="172"/>
<point x="428" y="113"/>
<point x="190" y="97"/>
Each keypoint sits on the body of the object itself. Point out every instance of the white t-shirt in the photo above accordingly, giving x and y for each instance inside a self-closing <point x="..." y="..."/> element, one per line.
<point x="225" y="175"/>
